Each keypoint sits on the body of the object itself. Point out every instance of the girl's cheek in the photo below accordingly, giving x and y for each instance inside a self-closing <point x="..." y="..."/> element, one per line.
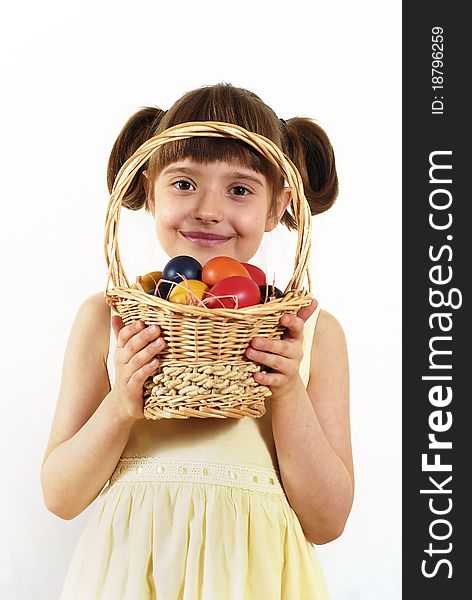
<point x="250" y="226"/>
<point x="167" y="217"/>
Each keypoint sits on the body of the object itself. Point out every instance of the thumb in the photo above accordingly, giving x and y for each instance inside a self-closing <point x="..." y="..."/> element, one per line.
<point x="306" y="312"/>
<point x="117" y="324"/>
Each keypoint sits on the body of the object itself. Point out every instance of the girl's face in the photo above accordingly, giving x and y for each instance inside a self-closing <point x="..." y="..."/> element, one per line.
<point x="212" y="209"/>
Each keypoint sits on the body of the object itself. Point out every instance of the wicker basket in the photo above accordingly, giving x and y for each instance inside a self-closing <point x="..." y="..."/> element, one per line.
<point x="203" y="370"/>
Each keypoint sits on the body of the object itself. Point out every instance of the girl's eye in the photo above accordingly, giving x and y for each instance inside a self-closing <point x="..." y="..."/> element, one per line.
<point x="184" y="182"/>
<point x="241" y="187"/>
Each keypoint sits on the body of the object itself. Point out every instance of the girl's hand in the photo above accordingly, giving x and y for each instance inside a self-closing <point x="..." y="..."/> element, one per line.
<point x="135" y="360"/>
<point x="283" y="357"/>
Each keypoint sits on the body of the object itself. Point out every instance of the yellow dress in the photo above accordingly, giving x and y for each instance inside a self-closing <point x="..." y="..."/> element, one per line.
<point x="195" y="510"/>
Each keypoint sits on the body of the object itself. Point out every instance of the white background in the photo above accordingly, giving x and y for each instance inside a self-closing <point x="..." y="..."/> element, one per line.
<point x="72" y="73"/>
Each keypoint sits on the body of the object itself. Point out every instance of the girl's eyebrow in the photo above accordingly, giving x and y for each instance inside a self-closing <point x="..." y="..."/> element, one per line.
<point x="188" y="170"/>
<point x="242" y="175"/>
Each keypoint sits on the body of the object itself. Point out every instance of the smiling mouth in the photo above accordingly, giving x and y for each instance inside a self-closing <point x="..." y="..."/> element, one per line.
<point x="204" y="239"/>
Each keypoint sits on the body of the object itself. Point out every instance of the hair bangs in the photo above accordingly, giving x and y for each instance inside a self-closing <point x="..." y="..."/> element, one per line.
<point x="209" y="149"/>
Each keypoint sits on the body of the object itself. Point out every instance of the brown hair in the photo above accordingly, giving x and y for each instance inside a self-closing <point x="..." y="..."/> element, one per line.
<point x="300" y="138"/>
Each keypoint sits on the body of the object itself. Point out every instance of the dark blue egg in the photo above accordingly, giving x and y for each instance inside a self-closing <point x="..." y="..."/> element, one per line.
<point x="271" y="292"/>
<point x="184" y="265"/>
<point x="162" y="290"/>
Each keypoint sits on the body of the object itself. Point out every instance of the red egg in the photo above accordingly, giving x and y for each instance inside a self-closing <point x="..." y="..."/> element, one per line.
<point x="244" y="288"/>
<point x="220" y="267"/>
<point x="256" y="274"/>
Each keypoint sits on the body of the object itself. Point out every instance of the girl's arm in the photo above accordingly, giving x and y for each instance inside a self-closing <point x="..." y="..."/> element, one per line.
<point x="92" y="423"/>
<point x="312" y="435"/>
<point x="88" y="434"/>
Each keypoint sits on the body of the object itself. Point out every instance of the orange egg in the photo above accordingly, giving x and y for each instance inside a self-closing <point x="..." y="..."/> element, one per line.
<point x="221" y="267"/>
<point x="148" y="281"/>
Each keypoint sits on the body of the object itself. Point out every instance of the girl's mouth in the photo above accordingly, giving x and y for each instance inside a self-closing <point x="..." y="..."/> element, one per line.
<point x="203" y="239"/>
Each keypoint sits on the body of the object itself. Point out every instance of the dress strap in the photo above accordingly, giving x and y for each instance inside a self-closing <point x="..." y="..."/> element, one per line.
<point x="308" y="335"/>
<point x="111" y="354"/>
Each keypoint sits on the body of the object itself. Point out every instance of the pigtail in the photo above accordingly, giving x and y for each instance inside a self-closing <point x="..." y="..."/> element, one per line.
<point x="308" y="146"/>
<point x="140" y="127"/>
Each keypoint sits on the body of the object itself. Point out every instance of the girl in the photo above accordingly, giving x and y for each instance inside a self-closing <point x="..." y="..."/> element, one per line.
<point x="208" y="509"/>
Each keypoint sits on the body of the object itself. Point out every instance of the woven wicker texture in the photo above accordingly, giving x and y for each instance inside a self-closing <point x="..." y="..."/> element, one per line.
<point x="203" y="371"/>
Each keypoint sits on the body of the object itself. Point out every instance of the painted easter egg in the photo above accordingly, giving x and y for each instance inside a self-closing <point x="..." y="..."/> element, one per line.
<point x="243" y="288"/>
<point x="162" y="290"/>
<point x="268" y="292"/>
<point x="256" y="274"/>
<point x="182" y="293"/>
<point x="182" y="265"/>
<point x="148" y="281"/>
<point x="220" y="267"/>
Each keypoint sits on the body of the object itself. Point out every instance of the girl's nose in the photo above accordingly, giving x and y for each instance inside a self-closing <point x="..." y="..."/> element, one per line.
<point x="208" y="208"/>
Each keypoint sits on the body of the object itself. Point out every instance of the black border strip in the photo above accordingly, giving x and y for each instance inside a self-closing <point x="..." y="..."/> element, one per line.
<point x="436" y="261"/>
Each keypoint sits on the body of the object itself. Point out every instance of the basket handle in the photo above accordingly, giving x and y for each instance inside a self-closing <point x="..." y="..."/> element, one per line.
<point x="266" y="147"/>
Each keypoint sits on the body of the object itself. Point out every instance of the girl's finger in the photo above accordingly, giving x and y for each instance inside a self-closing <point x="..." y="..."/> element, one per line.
<point x="139" y="376"/>
<point x="306" y="312"/>
<point x="269" y="379"/>
<point x="117" y="324"/>
<point x="294" y="327"/>
<point x="141" y="340"/>
<point x="144" y="356"/>
<point x="296" y="323"/>
<point x="124" y="334"/>
<point x="274" y="361"/>
<point x="282" y="347"/>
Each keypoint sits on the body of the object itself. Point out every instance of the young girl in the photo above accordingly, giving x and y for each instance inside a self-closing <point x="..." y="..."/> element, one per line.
<point x="206" y="509"/>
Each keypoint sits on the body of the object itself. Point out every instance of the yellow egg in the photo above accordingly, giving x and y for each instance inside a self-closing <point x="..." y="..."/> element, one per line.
<point x="148" y="281"/>
<point x="180" y="293"/>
